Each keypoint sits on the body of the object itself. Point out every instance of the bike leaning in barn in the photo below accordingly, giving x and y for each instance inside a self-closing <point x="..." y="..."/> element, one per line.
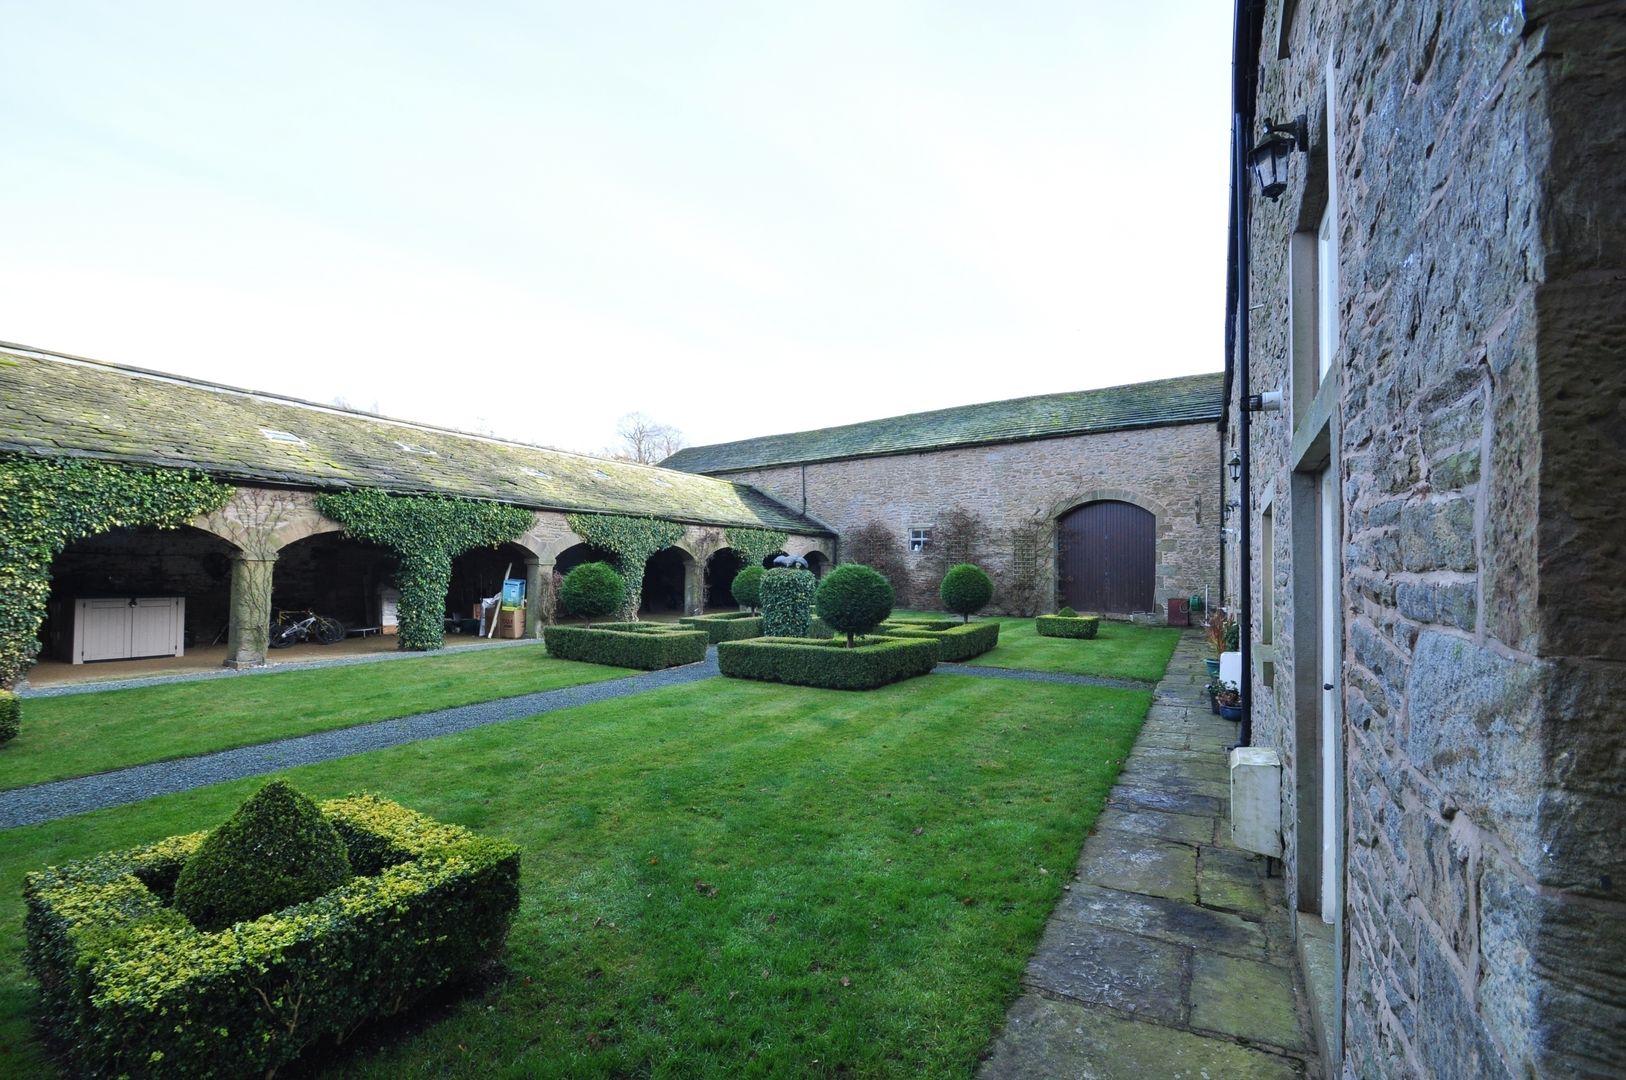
<point x="294" y="627"/>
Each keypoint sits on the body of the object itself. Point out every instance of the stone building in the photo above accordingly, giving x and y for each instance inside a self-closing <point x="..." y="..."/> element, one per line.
<point x="1102" y="499"/>
<point x="1433" y="589"/>
<point x="271" y="548"/>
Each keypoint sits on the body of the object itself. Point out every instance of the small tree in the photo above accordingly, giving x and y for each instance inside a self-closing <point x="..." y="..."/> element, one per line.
<point x="854" y="599"/>
<point x="966" y="590"/>
<point x="747" y="588"/>
<point x="787" y="601"/>
<point x="592" y="590"/>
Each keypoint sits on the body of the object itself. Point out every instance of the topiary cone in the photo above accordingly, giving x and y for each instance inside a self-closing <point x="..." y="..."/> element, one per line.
<point x="275" y="851"/>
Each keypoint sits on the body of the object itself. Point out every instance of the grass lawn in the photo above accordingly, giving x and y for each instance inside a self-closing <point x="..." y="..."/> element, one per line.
<point x="1121" y="650"/>
<point x="80" y="734"/>
<point x="726" y="878"/>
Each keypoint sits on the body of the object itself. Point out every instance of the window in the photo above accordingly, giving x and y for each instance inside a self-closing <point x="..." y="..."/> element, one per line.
<point x="411" y="449"/>
<point x="282" y="436"/>
<point x="919" y="538"/>
<point x="1326" y="266"/>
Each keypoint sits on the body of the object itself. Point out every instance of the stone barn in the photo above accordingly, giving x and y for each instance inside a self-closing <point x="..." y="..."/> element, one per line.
<point x="1104" y="500"/>
<point x="1431" y="577"/>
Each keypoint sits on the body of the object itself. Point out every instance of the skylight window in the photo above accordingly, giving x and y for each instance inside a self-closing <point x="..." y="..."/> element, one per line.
<point x="409" y="448"/>
<point x="282" y="436"/>
<point x="538" y="473"/>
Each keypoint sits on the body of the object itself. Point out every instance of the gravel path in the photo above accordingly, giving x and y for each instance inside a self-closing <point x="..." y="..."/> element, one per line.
<point x="62" y="798"/>
<point x="1025" y="675"/>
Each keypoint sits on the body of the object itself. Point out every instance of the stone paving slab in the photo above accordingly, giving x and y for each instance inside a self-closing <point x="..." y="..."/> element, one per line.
<point x="1170" y="954"/>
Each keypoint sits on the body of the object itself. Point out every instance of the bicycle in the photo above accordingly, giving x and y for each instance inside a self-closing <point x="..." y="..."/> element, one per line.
<point x="293" y="627"/>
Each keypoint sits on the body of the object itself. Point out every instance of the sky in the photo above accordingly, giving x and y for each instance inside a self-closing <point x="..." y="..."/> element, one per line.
<point x="529" y="219"/>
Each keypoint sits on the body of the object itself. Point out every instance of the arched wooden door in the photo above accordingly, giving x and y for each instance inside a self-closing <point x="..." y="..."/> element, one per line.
<point x="1106" y="558"/>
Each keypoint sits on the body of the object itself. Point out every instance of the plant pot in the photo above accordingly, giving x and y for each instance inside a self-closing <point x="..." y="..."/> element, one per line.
<point x="1213" y="704"/>
<point x="1212" y="663"/>
<point x="1229" y="712"/>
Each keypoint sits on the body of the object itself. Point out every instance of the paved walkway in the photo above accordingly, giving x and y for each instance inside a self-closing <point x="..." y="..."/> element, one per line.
<point x="1171" y="954"/>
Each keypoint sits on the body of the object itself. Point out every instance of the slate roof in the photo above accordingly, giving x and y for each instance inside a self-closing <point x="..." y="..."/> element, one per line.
<point x="53" y="405"/>
<point x="1190" y="399"/>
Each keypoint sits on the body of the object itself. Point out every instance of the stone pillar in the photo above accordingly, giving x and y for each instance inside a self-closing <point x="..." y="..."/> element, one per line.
<point x="538" y="576"/>
<point x="250" y="626"/>
<point x="694" y="588"/>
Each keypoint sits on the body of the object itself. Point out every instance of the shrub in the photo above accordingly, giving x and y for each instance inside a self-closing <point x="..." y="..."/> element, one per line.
<point x="818" y="628"/>
<point x="726" y="626"/>
<point x="747" y="587"/>
<point x="592" y="589"/>
<point x="1068" y="626"/>
<point x="956" y="643"/>
<point x="1067" y="613"/>
<point x="854" y="599"/>
<point x="830" y="664"/>
<point x="787" y="601"/>
<point x="966" y="590"/>
<point x="11" y="716"/>
<point x="876" y="546"/>
<point x="132" y="988"/>
<point x="276" y="851"/>
<point x="649" y="646"/>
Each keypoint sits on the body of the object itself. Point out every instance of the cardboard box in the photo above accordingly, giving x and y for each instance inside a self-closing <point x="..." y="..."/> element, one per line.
<point x="511" y="624"/>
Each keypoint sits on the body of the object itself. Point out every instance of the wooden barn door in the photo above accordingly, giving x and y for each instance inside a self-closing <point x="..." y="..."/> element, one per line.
<point x="1106" y="558"/>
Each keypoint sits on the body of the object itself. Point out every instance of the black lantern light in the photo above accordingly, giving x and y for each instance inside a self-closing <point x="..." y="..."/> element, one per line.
<point x="1236" y="468"/>
<point x="1269" y="156"/>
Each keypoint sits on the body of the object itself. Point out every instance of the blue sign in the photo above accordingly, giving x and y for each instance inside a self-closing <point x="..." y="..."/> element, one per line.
<point x="513" y="592"/>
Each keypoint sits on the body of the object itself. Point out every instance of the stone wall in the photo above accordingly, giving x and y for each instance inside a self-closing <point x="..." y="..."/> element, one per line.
<point x="1474" y="418"/>
<point x="1168" y="470"/>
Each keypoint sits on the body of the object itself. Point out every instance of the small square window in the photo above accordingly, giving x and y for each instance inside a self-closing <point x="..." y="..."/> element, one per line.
<point x="919" y="538"/>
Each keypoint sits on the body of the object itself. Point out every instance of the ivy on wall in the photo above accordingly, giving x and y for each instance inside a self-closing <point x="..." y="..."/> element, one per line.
<point x="754" y="545"/>
<point x="633" y="540"/>
<point x="427" y="532"/>
<point x="48" y="503"/>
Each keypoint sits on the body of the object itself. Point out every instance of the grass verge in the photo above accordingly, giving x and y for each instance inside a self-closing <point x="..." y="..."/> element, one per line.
<point x="81" y="734"/>
<point x="721" y="879"/>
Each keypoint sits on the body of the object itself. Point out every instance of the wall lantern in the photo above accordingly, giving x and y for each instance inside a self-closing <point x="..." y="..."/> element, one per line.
<point x="1269" y="156"/>
<point x="1236" y="468"/>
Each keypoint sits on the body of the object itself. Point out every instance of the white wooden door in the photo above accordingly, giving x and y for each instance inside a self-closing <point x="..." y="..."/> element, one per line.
<point x="101" y="630"/>
<point x="155" y="626"/>
<point x="121" y="628"/>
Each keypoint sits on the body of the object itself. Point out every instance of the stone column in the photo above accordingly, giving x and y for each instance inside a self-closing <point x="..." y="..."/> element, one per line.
<point x="694" y="588"/>
<point x="538" y="576"/>
<point x="250" y="625"/>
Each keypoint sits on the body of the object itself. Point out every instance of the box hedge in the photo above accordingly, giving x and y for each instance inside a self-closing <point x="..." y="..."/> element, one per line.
<point x="133" y="989"/>
<point x="726" y="625"/>
<point x="956" y="643"/>
<point x="649" y="646"/>
<point x="1068" y="626"/>
<point x="828" y="664"/>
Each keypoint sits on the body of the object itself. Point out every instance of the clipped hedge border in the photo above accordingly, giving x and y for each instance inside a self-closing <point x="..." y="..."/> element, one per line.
<point x="727" y="626"/>
<point x="1068" y="626"/>
<point x="648" y="646"/>
<point x="925" y="623"/>
<point x="829" y="665"/>
<point x="956" y="644"/>
<point x="134" y="989"/>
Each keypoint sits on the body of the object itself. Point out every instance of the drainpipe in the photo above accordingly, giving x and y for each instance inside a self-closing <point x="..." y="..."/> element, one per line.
<point x="1244" y="424"/>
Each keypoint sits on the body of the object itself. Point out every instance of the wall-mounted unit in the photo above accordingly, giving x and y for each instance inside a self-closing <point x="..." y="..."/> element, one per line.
<point x="1256" y="800"/>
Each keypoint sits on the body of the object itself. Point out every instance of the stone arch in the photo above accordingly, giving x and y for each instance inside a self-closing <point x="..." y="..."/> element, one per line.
<point x="671" y="582"/>
<point x="1162" y="534"/>
<point x="1158" y="511"/>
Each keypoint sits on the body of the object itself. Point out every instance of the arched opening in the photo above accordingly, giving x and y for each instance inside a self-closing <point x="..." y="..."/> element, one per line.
<point x="1106" y="557"/>
<point x="133" y="593"/>
<point x="478" y="574"/>
<point x="572" y="557"/>
<point x="666" y="582"/>
<point x="817" y="563"/>
<point x="721" y="569"/>
<point x="338" y="576"/>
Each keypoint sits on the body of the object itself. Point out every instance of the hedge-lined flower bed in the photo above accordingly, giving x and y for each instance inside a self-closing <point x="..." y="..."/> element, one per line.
<point x="649" y="646"/>
<point x="828" y="664"/>
<point x="726" y="625"/>
<point x="956" y="642"/>
<point x="132" y="988"/>
<point x="1068" y="626"/>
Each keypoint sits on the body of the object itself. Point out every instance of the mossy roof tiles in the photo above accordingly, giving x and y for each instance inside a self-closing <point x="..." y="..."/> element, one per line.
<point x="1189" y="399"/>
<point x="56" y="405"/>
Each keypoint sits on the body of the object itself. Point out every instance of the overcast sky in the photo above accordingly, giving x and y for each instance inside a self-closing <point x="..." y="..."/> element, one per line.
<point x="737" y="218"/>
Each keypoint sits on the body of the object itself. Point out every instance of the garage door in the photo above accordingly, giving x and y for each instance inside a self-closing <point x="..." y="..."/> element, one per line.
<point x="1106" y="558"/>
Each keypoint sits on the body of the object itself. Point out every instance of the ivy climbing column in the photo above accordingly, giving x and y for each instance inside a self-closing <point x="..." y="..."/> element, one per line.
<point x="249" y="627"/>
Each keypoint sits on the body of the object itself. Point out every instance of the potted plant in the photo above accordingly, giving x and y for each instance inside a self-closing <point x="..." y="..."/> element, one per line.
<point x="1214" y="629"/>
<point x="1228" y="700"/>
<point x="1212" y="690"/>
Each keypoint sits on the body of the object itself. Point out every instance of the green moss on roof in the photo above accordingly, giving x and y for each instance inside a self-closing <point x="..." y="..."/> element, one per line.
<point x="1190" y="399"/>
<point x="53" y="405"/>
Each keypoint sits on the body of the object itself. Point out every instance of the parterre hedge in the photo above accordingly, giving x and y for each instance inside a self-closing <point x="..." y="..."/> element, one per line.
<point x="1068" y="626"/>
<point x="726" y="625"/>
<point x="649" y="646"/>
<point x="956" y="643"/>
<point x="829" y="664"/>
<point x="924" y="623"/>
<point x="133" y="989"/>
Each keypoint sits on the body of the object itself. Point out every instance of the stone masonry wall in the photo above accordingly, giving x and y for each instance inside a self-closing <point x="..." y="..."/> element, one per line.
<point x="1477" y="438"/>
<point x="1169" y="470"/>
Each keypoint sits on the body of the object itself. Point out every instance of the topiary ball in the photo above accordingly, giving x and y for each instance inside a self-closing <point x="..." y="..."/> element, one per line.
<point x="854" y="599"/>
<point x="593" y="589"/>
<point x="747" y="587"/>
<point x="966" y="590"/>
<point x="11" y="715"/>
<point x="276" y="850"/>
<point x="787" y="601"/>
<point x="1067" y="613"/>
